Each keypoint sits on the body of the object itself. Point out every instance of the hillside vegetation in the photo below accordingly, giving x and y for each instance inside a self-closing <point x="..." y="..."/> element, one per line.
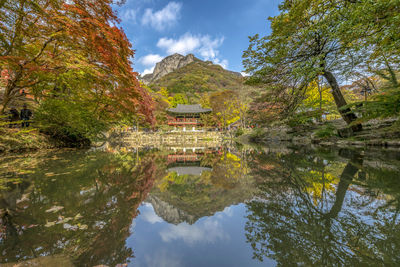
<point x="201" y="77"/>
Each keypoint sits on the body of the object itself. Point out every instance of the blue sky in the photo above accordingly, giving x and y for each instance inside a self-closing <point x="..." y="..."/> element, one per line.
<point x="215" y="30"/>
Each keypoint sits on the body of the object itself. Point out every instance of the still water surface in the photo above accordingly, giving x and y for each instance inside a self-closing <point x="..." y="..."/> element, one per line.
<point x="205" y="207"/>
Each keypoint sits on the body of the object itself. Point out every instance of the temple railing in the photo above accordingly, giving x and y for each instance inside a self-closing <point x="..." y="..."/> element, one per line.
<point x="181" y="121"/>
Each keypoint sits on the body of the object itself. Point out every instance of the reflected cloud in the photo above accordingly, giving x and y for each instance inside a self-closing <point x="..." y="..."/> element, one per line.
<point x="149" y="215"/>
<point x="228" y="211"/>
<point x="163" y="258"/>
<point x="207" y="231"/>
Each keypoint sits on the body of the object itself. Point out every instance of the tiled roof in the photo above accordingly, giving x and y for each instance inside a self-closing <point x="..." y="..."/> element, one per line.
<point x="189" y="109"/>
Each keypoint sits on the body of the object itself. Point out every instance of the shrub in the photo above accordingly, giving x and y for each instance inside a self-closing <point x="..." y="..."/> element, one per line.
<point x="303" y="118"/>
<point x="326" y="131"/>
<point x="257" y="134"/>
<point x="68" y="121"/>
<point x="239" y="132"/>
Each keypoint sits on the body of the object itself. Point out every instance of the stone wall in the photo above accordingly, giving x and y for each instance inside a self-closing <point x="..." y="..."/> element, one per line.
<point x="170" y="139"/>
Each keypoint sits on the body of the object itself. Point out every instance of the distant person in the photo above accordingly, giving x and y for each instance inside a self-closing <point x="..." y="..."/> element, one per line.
<point x="25" y="116"/>
<point x="13" y="116"/>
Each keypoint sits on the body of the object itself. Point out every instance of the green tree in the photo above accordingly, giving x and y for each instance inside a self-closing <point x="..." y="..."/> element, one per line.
<point x="178" y="99"/>
<point x="305" y="43"/>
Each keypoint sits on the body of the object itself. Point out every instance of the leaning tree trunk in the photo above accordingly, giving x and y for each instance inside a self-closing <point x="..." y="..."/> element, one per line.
<point x="346" y="178"/>
<point x="346" y="113"/>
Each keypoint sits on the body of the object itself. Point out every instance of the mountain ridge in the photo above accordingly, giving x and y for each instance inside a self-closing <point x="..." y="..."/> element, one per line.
<point x="173" y="63"/>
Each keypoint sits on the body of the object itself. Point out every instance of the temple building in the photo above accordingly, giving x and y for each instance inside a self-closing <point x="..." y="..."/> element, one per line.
<point x="187" y="161"/>
<point x="186" y="116"/>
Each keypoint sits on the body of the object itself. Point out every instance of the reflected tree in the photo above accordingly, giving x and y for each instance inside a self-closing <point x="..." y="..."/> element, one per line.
<point x="78" y="204"/>
<point x="295" y="224"/>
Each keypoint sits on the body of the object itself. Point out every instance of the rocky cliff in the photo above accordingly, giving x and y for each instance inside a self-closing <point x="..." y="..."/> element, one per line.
<point x="168" y="212"/>
<point x="168" y="65"/>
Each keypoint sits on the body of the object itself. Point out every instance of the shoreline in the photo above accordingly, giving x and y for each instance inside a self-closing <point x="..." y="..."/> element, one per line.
<point x="15" y="140"/>
<point x="376" y="133"/>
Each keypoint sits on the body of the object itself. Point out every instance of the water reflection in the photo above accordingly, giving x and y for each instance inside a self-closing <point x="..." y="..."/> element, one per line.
<point x="75" y="203"/>
<point x="318" y="209"/>
<point x="198" y="206"/>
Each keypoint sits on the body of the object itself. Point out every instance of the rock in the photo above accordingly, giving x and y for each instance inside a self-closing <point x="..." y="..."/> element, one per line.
<point x="326" y="144"/>
<point x="301" y="140"/>
<point x="393" y="143"/>
<point x="377" y="142"/>
<point x="345" y="132"/>
<point x="168" y="212"/>
<point x="168" y="65"/>
<point x="357" y="143"/>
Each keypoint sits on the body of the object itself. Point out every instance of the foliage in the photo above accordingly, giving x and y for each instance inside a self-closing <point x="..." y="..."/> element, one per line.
<point x="318" y="97"/>
<point x="225" y="106"/>
<point x="71" y="122"/>
<point x="326" y="131"/>
<point x="161" y="103"/>
<point x="305" y="215"/>
<point x="202" y="195"/>
<point x="86" y="202"/>
<point x="381" y="105"/>
<point x="303" y="118"/>
<point x="179" y="98"/>
<point x="239" y="132"/>
<point x="312" y="38"/>
<point x="198" y="78"/>
<point x="256" y="134"/>
<point x="77" y="50"/>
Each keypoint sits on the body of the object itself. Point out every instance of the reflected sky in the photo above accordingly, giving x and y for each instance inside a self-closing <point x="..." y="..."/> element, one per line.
<point x="218" y="240"/>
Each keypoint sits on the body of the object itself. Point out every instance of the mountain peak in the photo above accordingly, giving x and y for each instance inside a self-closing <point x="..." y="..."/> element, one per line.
<point x="168" y="65"/>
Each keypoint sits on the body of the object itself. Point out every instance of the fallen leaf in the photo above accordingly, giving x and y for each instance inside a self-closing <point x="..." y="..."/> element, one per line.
<point x="83" y="227"/>
<point x="49" y="224"/>
<point x="78" y="216"/>
<point x="70" y="227"/>
<point x="54" y="209"/>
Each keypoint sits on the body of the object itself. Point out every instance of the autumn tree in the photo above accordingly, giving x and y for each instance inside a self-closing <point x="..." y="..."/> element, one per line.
<point x="73" y="51"/>
<point x="226" y="107"/>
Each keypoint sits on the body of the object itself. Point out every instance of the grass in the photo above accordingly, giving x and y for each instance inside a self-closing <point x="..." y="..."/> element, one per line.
<point x="16" y="139"/>
<point x="326" y="131"/>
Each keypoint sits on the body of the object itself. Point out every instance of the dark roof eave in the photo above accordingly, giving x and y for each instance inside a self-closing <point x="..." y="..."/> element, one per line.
<point x="189" y="112"/>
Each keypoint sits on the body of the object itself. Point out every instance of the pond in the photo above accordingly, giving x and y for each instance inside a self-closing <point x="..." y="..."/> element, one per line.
<point x="216" y="206"/>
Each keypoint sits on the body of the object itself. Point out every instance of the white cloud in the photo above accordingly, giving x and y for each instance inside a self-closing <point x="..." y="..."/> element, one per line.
<point x="129" y="15"/>
<point x="245" y="74"/>
<point x="149" y="215"/>
<point x="208" y="231"/>
<point x="164" y="18"/>
<point x="147" y="71"/>
<point x="150" y="59"/>
<point x="204" y="45"/>
<point x="185" y="44"/>
<point x="223" y="63"/>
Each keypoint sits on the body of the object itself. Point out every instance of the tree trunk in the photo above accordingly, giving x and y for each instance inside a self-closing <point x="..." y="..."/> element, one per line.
<point x="6" y="99"/>
<point x="320" y="100"/>
<point x="346" y="178"/>
<point x="346" y="113"/>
